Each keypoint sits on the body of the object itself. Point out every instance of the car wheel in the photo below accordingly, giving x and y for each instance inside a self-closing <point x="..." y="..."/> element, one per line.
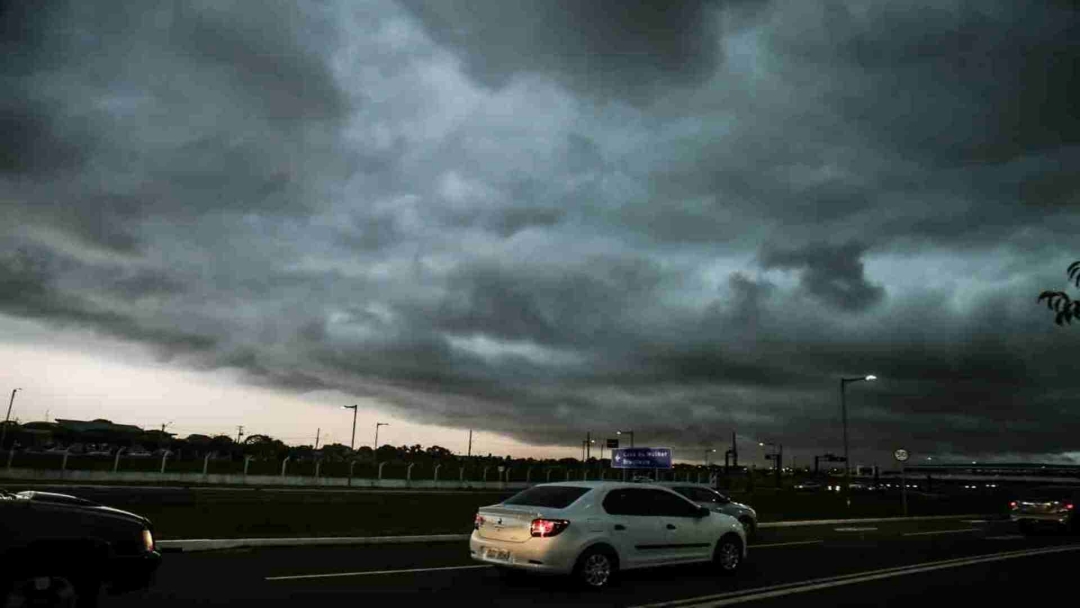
<point x="42" y="591"/>
<point x="728" y="554"/>
<point x="595" y="568"/>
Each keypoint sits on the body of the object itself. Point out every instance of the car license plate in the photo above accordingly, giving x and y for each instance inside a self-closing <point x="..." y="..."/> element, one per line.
<point x="502" y="555"/>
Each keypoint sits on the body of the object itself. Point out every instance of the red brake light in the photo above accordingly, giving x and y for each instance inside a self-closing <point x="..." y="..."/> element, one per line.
<point x="479" y="521"/>
<point x="1068" y="506"/>
<point x="547" y="527"/>
<point x="1012" y="505"/>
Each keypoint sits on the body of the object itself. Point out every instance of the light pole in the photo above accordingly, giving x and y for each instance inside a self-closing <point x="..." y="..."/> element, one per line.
<point x="3" y="433"/>
<point x="377" y="425"/>
<point x="843" y="414"/>
<point x="352" y="442"/>
<point x="631" y="433"/>
<point x="707" y="452"/>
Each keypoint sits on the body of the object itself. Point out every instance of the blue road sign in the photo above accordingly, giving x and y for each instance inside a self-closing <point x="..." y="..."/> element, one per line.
<point x="641" y="458"/>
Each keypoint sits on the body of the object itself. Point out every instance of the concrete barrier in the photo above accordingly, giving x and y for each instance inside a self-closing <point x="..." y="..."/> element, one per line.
<point x="145" y="477"/>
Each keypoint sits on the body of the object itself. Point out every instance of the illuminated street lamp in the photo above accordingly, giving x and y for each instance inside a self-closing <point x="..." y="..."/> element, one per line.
<point x="843" y="413"/>
<point x="631" y="433"/>
<point x="707" y="452"/>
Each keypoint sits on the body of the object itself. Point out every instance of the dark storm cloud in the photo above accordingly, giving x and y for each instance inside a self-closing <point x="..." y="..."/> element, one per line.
<point x="974" y="81"/>
<point x="628" y="49"/>
<point x="832" y="274"/>
<point x="698" y="218"/>
<point x="182" y="110"/>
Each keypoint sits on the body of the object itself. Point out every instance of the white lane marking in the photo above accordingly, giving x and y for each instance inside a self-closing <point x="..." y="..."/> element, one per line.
<point x="857" y="529"/>
<point x="932" y="532"/>
<point x="1007" y="537"/>
<point x="295" y="577"/>
<point x="760" y="593"/>
<point x="791" y="544"/>
<point x="974" y="521"/>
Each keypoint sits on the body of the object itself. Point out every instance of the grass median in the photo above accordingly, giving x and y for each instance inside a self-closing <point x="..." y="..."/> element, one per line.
<point x="251" y="513"/>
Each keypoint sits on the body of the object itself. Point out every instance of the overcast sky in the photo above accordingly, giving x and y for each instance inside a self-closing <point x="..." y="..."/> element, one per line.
<point x="543" y="218"/>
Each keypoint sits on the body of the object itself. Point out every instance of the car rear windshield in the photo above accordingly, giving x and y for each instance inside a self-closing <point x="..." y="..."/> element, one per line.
<point x="554" y="497"/>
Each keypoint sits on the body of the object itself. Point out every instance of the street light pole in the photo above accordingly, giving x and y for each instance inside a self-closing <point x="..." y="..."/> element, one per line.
<point x="377" y="425"/>
<point x="843" y="415"/>
<point x="352" y="442"/>
<point x="707" y="452"/>
<point x="3" y="433"/>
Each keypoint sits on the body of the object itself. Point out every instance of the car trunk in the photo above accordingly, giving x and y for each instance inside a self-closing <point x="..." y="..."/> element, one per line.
<point x="1043" y="506"/>
<point x="510" y="524"/>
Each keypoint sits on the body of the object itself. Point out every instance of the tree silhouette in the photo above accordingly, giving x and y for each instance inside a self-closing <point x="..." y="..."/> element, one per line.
<point x="1066" y="308"/>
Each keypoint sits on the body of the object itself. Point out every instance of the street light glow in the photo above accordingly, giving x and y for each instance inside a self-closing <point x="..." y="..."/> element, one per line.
<point x="871" y="377"/>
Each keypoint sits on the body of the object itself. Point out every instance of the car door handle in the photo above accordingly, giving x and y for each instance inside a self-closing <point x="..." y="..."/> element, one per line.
<point x="671" y="526"/>
<point x="620" y="527"/>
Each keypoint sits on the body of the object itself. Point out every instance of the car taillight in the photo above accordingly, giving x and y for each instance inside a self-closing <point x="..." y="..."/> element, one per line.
<point x="547" y="527"/>
<point x="1013" y="505"/>
<point x="1068" y="506"/>
<point x="479" y="521"/>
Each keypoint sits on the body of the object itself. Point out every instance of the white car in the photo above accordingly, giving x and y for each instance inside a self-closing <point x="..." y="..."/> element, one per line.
<point x="592" y="530"/>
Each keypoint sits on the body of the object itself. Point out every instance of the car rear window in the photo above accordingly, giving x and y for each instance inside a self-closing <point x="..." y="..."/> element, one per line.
<point x="554" y="497"/>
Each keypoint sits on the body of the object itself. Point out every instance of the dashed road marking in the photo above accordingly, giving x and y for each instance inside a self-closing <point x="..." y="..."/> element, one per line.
<point x="856" y="529"/>
<point x="295" y="577"/>
<point x="1007" y="537"/>
<point x="932" y="532"/>
<point x="791" y="544"/>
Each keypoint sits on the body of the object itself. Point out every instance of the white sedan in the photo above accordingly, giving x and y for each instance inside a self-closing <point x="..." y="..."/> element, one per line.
<point x="592" y="530"/>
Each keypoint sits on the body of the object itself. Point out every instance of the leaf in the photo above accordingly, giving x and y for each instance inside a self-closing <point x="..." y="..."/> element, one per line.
<point x="1074" y="272"/>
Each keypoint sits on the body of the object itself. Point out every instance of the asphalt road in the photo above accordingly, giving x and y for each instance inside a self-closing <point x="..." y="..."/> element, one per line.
<point x="893" y="564"/>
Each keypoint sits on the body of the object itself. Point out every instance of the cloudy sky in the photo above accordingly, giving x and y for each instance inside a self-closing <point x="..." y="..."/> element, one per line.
<point x="541" y="218"/>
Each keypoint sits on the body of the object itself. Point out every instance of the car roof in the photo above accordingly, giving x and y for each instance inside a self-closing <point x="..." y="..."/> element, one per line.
<point x="602" y="485"/>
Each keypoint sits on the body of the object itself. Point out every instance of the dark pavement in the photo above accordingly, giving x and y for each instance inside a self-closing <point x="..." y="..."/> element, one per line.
<point x="415" y="574"/>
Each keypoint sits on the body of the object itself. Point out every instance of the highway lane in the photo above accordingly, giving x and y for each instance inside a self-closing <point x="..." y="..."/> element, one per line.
<point x="443" y="572"/>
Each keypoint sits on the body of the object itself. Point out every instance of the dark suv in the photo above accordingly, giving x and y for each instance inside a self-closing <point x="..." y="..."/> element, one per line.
<point x="60" y="550"/>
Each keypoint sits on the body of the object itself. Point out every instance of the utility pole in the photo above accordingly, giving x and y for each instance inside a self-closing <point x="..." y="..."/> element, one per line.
<point x="239" y="433"/>
<point x="318" y="432"/>
<point x="3" y="433"/>
<point x="470" y="443"/>
<point x="588" y="445"/>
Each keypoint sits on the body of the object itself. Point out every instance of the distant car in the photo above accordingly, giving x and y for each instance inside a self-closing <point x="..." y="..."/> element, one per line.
<point x="593" y="530"/>
<point x="719" y="502"/>
<point x="60" y="550"/>
<point x="808" y="486"/>
<point x="1051" y="506"/>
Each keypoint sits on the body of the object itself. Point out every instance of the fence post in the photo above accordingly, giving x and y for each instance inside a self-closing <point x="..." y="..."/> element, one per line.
<point x="408" y="472"/>
<point x="247" y="461"/>
<point x="507" y="474"/>
<point x="381" y="465"/>
<point x="485" y="473"/>
<point x="318" y="465"/>
<point x="437" y="467"/>
<point x="116" y="461"/>
<point x="549" y="475"/>
<point x="10" y="456"/>
<point x="351" y="465"/>
<point x="528" y="475"/>
<point x="206" y="464"/>
<point x="567" y="473"/>
<point x="164" y="457"/>
<point x="461" y="474"/>
<point x="284" y="463"/>
<point x="63" y="464"/>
